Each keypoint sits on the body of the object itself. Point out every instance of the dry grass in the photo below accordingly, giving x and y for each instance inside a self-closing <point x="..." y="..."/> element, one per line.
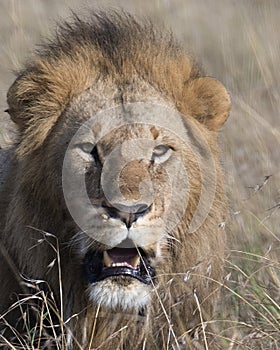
<point x="238" y="42"/>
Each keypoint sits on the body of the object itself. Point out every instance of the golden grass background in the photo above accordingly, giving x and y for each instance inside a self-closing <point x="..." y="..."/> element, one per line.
<point x="237" y="42"/>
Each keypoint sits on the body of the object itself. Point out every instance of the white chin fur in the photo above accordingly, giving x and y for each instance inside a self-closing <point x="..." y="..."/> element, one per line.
<point x="112" y="296"/>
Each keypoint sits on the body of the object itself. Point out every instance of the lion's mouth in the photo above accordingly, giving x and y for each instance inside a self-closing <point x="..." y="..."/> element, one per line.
<point x="129" y="262"/>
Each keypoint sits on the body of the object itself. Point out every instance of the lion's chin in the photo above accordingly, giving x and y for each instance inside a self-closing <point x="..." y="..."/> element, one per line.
<point x="130" y="295"/>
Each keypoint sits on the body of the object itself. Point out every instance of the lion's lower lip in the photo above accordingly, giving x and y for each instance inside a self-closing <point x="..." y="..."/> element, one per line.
<point x="96" y="271"/>
<point x="126" y="271"/>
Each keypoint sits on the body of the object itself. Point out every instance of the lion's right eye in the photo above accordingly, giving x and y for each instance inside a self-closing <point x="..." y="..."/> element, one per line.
<point x="90" y="150"/>
<point x="87" y="147"/>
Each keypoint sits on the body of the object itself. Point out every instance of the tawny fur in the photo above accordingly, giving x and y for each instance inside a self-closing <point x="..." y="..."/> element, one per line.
<point x="119" y="51"/>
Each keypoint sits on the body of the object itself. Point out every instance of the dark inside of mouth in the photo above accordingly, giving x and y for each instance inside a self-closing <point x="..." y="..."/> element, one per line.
<point x="118" y="262"/>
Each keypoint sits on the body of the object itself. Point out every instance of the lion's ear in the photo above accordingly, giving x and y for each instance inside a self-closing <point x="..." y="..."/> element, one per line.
<point x="207" y="100"/>
<point x="35" y="102"/>
<point x="20" y="97"/>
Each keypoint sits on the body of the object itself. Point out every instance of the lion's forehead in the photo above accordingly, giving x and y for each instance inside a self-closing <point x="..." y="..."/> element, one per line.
<point x="127" y="138"/>
<point x="105" y="94"/>
<point x="111" y="120"/>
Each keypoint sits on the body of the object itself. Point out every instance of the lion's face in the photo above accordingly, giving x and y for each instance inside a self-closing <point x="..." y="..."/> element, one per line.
<point x="126" y="178"/>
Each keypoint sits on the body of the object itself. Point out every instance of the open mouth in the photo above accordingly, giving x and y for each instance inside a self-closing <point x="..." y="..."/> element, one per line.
<point x="118" y="262"/>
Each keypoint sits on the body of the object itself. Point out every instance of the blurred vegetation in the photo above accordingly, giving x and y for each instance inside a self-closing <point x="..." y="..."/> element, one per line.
<point x="237" y="42"/>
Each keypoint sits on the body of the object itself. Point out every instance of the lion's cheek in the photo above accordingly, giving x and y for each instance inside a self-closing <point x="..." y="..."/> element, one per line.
<point x="146" y="233"/>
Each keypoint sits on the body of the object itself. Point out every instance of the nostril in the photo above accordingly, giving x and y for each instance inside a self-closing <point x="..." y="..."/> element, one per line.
<point x="130" y="209"/>
<point x="127" y="213"/>
<point x="142" y="210"/>
<point x="139" y="208"/>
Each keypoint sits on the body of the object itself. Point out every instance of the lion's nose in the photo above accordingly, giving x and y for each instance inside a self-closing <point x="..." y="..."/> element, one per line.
<point x="127" y="213"/>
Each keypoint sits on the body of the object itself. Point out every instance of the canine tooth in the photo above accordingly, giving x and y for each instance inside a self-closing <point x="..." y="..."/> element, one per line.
<point x="135" y="261"/>
<point x="106" y="259"/>
<point x="105" y="217"/>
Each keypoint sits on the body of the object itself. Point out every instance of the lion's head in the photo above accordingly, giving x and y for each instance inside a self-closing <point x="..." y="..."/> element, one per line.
<point x="117" y="158"/>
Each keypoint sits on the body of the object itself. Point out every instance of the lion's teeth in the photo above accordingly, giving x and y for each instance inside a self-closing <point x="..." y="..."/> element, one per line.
<point x="135" y="261"/>
<point x="107" y="260"/>
<point x="132" y="263"/>
<point x="119" y="264"/>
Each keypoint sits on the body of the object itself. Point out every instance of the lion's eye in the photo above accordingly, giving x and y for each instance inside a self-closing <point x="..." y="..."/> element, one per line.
<point x="160" y="150"/>
<point x="87" y="147"/>
<point x="91" y="151"/>
<point x="160" y="153"/>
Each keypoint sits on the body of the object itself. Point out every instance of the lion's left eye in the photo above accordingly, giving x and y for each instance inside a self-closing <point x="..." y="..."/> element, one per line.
<point x="161" y="153"/>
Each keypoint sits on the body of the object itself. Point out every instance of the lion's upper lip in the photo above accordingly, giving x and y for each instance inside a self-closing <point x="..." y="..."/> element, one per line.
<point x="118" y="262"/>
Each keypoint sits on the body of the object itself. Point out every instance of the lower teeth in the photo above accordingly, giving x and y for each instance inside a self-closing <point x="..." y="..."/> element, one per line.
<point x="119" y="264"/>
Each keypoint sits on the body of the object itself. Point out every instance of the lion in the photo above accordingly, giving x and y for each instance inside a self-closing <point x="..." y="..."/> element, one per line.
<point x="113" y="200"/>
